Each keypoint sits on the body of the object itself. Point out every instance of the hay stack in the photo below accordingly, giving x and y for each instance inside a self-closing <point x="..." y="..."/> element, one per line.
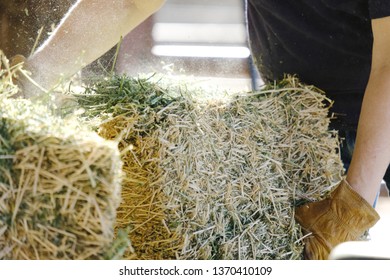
<point x="216" y="180"/>
<point x="59" y="183"/>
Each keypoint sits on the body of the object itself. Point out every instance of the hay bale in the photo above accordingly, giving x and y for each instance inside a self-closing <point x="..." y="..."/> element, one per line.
<point x="59" y="184"/>
<point x="216" y="180"/>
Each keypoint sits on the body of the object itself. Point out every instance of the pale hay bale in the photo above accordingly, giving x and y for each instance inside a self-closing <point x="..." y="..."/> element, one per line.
<point x="217" y="180"/>
<point x="59" y="184"/>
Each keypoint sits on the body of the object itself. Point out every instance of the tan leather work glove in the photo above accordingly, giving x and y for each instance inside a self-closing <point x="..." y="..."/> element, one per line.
<point x="344" y="216"/>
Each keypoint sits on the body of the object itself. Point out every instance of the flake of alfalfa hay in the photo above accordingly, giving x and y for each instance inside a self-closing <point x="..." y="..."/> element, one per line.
<point x="60" y="186"/>
<point x="217" y="180"/>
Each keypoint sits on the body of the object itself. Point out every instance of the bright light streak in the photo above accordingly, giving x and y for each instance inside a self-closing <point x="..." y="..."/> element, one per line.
<point x="201" y="51"/>
<point x="200" y="33"/>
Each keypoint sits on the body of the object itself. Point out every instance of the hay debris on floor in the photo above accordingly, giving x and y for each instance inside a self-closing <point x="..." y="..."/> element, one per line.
<point x="216" y="180"/>
<point x="60" y="183"/>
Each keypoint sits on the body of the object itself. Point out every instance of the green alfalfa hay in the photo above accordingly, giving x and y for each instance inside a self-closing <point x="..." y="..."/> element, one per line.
<point x="59" y="183"/>
<point x="125" y="110"/>
<point x="216" y="180"/>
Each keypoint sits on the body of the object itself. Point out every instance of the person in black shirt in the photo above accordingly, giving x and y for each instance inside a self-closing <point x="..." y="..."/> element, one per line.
<point x="341" y="46"/>
<point x="325" y="43"/>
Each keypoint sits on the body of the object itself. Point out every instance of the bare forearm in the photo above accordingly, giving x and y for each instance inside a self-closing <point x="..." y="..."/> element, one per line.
<point x="372" y="151"/>
<point x="89" y="29"/>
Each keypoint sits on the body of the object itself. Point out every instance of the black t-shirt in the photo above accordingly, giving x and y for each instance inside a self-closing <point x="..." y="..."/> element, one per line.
<point x="326" y="43"/>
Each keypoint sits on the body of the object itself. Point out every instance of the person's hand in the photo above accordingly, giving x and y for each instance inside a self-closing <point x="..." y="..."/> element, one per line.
<point x="344" y="216"/>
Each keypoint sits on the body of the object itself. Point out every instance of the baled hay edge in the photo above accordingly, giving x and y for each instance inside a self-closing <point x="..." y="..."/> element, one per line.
<point x="217" y="180"/>
<point x="59" y="184"/>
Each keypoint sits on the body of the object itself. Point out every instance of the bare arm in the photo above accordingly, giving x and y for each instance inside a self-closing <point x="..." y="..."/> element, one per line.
<point x="89" y="29"/>
<point x="372" y="151"/>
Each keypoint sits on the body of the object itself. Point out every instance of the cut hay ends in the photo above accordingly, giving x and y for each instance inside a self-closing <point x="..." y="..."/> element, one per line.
<point x="59" y="183"/>
<point x="215" y="180"/>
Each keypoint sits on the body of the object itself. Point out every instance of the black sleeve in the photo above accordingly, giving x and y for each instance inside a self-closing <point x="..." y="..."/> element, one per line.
<point x="379" y="8"/>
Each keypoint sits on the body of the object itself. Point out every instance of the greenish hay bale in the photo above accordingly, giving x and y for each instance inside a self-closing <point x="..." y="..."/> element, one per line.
<point x="216" y="180"/>
<point x="59" y="185"/>
<point x="122" y="112"/>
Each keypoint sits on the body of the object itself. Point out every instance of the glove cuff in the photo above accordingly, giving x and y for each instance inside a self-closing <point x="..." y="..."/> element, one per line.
<point x="351" y="208"/>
